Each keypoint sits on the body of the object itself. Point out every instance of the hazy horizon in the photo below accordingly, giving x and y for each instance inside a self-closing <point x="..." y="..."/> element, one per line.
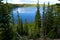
<point x="31" y="1"/>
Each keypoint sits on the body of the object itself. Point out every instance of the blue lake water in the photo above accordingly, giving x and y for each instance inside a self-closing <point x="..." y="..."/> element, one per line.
<point x="27" y="13"/>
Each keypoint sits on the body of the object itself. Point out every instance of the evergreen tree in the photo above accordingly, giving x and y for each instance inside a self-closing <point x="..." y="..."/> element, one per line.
<point x="37" y="21"/>
<point x="58" y="20"/>
<point x="49" y="19"/>
<point x="45" y="18"/>
<point x="0" y="18"/>
<point x="20" y="25"/>
<point x="44" y="21"/>
<point x="6" y="28"/>
<point x="12" y="17"/>
<point x="51" y="23"/>
<point x="13" y="26"/>
<point x="26" y="28"/>
<point x="56" y="23"/>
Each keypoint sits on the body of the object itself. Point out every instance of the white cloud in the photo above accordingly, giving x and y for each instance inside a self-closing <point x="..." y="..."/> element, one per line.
<point x="46" y="1"/>
<point x="31" y="1"/>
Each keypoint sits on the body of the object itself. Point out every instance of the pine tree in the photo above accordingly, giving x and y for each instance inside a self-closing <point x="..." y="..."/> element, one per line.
<point x="37" y="21"/>
<point x="44" y="21"/>
<point x="49" y="19"/>
<point x="13" y="26"/>
<point x="58" y="19"/>
<point x="51" y="22"/>
<point x="12" y="18"/>
<point x="6" y="28"/>
<point x="0" y="19"/>
<point x="45" y="18"/>
<point x="20" y="25"/>
<point x="26" y="28"/>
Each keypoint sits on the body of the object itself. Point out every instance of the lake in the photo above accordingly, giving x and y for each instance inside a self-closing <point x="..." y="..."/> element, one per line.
<point x="27" y="13"/>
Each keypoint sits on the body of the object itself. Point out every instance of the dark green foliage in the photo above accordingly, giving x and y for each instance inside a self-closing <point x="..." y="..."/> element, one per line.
<point x="46" y="26"/>
<point x="44" y="21"/>
<point x="53" y="31"/>
<point x="37" y="21"/>
<point x="50" y="21"/>
<point x="52" y="34"/>
<point x="50" y="18"/>
<point x="12" y="18"/>
<point x="5" y="24"/>
<point x="20" y="26"/>
<point x="26" y="28"/>
<point x="57" y="22"/>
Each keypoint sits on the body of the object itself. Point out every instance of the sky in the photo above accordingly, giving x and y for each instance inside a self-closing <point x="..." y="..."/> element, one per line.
<point x="31" y="1"/>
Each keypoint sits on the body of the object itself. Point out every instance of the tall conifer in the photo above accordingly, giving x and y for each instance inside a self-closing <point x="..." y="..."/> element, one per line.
<point x="37" y="21"/>
<point x="20" y="25"/>
<point x="6" y="28"/>
<point x="26" y="28"/>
